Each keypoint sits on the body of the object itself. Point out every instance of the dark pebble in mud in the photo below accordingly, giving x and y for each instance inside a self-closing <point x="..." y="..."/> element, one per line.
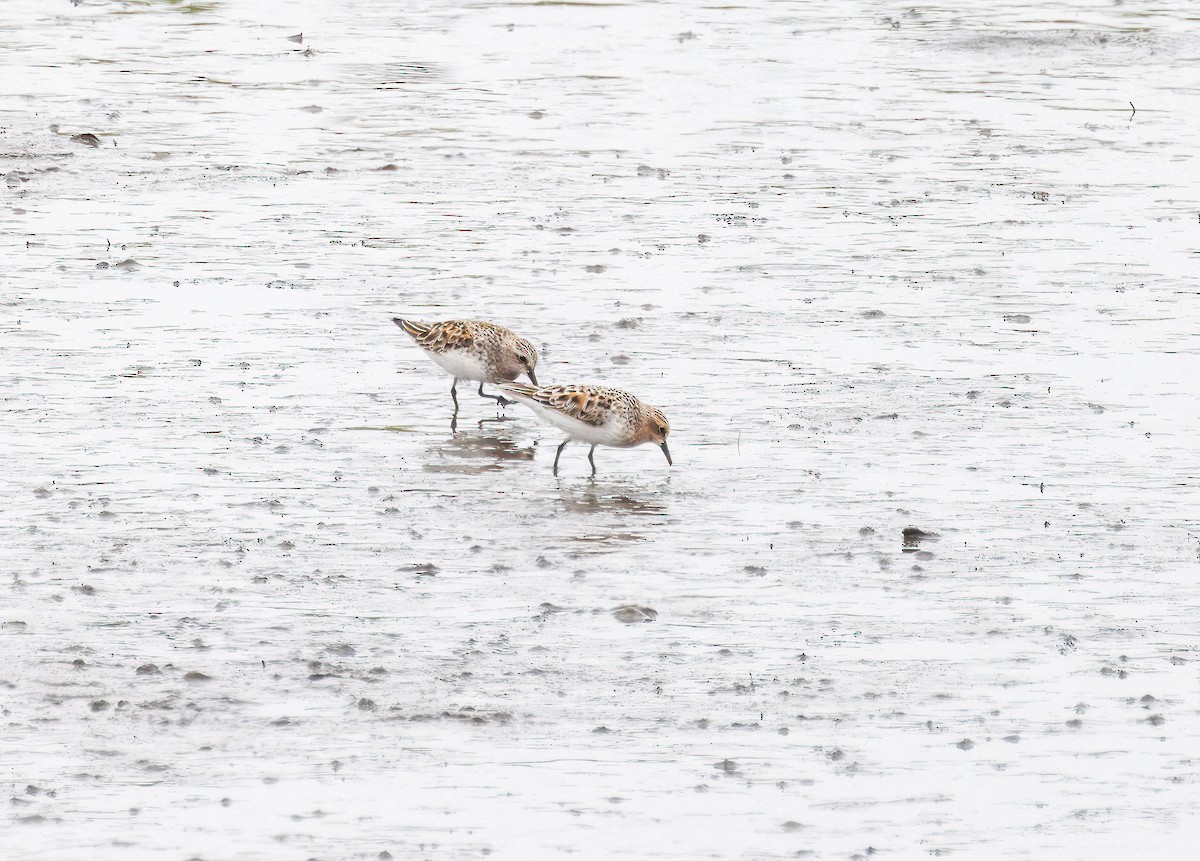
<point x="913" y="537"/>
<point x="196" y="677"/>
<point x="388" y="167"/>
<point x="965" y="744"/>
<point x="631" y="614"/>
<point x="595" y="269"/>
<point x="1017" y="318"/>
<point x="148" y="670"/>
<point x="703" y="238"/>
<point x="872" y="315"/>
<point x="791" y="825"/>
<point x="425" y="568"/>
<point x="601" y="730"/>
<point x="755" y="570"/>
<point x="629" y="323"/>
<point x="129" y="265"/>
<point x="87" y="139"/>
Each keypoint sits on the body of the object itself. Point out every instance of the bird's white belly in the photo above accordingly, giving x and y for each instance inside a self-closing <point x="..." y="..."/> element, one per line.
<point x="609" y="433"/>
<point x="461" y="364"/>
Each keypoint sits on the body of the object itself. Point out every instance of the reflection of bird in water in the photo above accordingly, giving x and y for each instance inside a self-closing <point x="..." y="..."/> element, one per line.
<point x="598" y="415"/>
<point x="474" y="350"/>
<point x="585" y="499"/>
<point x="486" y="449"/>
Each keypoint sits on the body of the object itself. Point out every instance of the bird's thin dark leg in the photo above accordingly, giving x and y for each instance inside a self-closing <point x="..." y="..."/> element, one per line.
<point x="591" y="461"/>
<point x="558" y="453"/>
<point x="454" y="395"/>
<point x="500" y="399"/>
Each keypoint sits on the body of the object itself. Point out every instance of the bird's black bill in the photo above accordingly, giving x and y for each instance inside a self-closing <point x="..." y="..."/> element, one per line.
<point x="532" y="378"/>
<point x="667" y="452"/>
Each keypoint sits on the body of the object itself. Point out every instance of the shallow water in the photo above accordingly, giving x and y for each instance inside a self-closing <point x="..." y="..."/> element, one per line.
<point x="884" y="269"/>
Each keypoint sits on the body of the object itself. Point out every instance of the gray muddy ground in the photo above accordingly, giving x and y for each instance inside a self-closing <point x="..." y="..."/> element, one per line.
<point x="884" y="267"/>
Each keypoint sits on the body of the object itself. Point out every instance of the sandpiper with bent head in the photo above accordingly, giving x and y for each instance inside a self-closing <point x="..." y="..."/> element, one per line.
<point x="598" y="415"/>
<point x="474" y="350"/>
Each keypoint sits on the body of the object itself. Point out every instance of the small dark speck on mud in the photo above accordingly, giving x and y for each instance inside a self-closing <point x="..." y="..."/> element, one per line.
<point x="1017" y="318"/>
<point x="1156" y="720"/>
<point x="87" y="139"/>
<point x="836" y="755"/>
<point x="872" y="314"/>
<point x="367" y="705"/>
<point x="965" y="744"/>
<point x="601" y="730"/>
<point x="865" y="531"/>
<point x="596" y="268"/>
<point x="727" y="765"/>
<point x="703" y="238"/>
<point x="85" y="589"/>
<point x="196" y="677"/>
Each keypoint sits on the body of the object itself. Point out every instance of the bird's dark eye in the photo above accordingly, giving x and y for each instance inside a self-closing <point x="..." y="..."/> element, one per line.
<point x="662" y="430"/>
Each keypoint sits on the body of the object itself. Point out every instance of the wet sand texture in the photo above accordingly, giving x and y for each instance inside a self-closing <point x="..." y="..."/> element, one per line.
<point x="916" y="288"/>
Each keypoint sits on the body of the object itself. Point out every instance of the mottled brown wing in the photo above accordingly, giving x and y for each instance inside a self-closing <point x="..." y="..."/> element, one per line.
<point x="588" y="404"/>
<point x="440" y="337"/>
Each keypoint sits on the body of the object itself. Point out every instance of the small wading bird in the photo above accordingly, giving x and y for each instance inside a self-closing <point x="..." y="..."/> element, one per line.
<point x="474" y="350"/>
<point x="597" y="415"/>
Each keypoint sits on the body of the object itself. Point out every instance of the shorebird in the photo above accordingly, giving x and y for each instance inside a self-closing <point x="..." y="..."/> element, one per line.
<point x="474" y="350"/>
<point x="598" y="415"/>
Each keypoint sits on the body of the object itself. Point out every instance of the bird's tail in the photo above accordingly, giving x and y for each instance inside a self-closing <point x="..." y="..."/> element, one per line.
<point x="413" y="328"/>
<point x="518" y="390"/>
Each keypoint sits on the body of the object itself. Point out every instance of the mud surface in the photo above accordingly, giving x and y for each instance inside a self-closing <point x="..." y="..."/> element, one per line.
<point x="916" y="288"/>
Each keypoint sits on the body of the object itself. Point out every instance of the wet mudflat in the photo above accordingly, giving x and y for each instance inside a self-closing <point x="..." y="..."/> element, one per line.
<point x="916" y="288"/>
